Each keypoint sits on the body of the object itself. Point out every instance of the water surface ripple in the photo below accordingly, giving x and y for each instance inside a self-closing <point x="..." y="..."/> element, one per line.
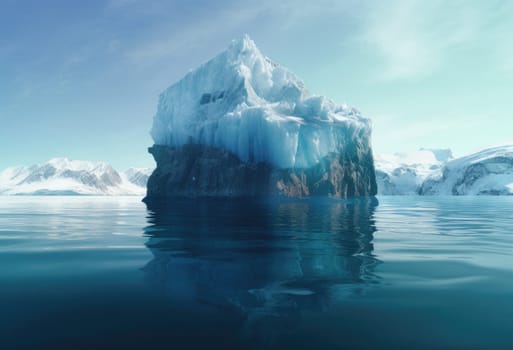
<point x="386" y="273"/>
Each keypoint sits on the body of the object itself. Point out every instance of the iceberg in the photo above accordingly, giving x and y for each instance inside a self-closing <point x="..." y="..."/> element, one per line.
<point x="241" y="124"/>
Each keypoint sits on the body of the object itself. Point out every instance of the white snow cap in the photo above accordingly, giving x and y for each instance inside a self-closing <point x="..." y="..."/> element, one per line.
<point x="66" y="176"/>
<point x="489" y="171"/>
<point x="244" y="102"/>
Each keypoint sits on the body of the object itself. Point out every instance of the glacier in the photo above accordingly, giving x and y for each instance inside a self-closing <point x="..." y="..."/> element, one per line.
<point x="138" y="176"/>
<point x="243" y="106"/>
<point x="404" y="173"/>
<point x="486" y="172"/>
<point x="62" y="176"/>
<point x="436" y="172"/>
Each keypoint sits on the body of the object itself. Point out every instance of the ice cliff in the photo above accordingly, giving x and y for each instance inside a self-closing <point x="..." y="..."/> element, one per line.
<point x="241" y="124"/>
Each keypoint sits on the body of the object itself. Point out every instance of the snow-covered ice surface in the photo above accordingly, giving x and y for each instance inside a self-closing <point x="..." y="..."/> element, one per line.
<point x="404" y="173"/>
<point x="487" y="172"/>
<point x="138" y="176"/>
<point x="435" y="172"/>
<point x="62" y="176"/>
<point x="243" y="102"/>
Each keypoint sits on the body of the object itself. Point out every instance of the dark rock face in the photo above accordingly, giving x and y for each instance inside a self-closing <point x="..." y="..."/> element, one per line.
<point x="197" y="170"/>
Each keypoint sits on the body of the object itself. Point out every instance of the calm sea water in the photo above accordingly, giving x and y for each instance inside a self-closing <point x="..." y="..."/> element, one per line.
<point x="392" y="273"/>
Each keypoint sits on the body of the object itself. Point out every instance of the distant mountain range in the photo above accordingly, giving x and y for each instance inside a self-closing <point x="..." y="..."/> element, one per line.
<point x="62" y="176"/>
<point x="404" y="173"/>
<point x="436" y="172"/>
<point x="487" y="172"/>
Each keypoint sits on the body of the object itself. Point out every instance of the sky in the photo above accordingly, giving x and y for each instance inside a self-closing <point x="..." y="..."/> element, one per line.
<point x="81" y="79"/>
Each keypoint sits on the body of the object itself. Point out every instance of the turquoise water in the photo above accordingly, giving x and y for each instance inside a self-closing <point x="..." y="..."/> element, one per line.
<point x="392" y="273"/>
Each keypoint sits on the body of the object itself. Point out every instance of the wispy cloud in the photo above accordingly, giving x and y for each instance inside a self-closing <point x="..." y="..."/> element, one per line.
<point x="500" y="38"/>
<point x="460" y="132"/>
<point x="233" y="17"/>
<point x="202" y="29"/>
<point x="414" y="38"/>
<point x="136" y="8"/>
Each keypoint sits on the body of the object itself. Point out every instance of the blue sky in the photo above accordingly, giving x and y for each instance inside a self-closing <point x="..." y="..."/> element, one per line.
<point x="81" y="78"/>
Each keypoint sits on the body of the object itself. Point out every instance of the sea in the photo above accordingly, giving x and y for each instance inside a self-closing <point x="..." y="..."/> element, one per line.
<point x="369" y="273"/>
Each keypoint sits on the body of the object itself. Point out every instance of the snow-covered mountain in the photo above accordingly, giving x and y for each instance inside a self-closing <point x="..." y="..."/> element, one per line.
<point x="138" y="176"/>
<point x="241" y="124"/>
<point x="436" y="172"/>
<point x="62" y="176"/>
<point x="404" y="173"/>
<point x="487" y="172"/>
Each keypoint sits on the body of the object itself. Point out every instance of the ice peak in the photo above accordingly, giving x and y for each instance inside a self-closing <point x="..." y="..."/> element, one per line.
<point x="243" y="45"/>
<point x="244" y="102"/>
<point x="65" y="163"/>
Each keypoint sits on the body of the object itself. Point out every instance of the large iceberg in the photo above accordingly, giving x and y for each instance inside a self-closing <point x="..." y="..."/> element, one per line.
<point x="242" y="106"/>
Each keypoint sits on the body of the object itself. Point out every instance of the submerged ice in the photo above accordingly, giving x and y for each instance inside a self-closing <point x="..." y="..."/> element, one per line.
<point x="243" y="102"/>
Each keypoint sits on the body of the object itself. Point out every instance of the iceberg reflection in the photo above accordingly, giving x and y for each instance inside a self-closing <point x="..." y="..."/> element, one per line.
<point x="264" y="259"/>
